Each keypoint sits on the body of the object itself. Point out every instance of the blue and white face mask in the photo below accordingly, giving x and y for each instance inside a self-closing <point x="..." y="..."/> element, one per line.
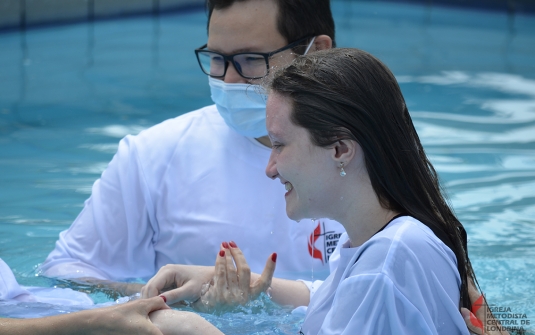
<point x="242" y="106"/>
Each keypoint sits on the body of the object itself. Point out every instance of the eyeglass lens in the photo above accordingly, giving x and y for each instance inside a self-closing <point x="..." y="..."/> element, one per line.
<point x="247" y="65"/>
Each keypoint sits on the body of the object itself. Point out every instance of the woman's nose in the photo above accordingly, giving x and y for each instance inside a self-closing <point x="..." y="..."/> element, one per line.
<point x="271" y="168"/>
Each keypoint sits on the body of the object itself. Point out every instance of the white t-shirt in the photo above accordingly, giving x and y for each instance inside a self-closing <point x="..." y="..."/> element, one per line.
<point x="177" y="190"/>
<point x="403" y="280"/>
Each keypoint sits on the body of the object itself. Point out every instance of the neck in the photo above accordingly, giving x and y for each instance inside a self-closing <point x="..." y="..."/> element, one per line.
<point x="367" y="225"/>
<point x="360" y="212"/>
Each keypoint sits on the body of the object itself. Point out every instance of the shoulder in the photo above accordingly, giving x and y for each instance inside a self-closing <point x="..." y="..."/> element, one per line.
<point x="189" y="123"/>
<point x="201" y="126"/>
<point x="404" y="242"/>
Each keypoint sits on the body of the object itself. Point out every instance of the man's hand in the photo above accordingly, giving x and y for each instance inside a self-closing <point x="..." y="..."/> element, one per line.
<point x="179" y="282"/>
<point x="129" y="318"/>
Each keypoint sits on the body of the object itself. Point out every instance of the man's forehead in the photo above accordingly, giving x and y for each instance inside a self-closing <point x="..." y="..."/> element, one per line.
<point x="245" y="26"/>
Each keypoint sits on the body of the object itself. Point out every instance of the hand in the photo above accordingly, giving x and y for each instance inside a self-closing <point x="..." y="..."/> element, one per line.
<point x="232" y="284"/>
<point x="179" y="282"/>
<point x="125" y="319"/>
<point x="476" y="323"/>
<point x="129" y="318"/>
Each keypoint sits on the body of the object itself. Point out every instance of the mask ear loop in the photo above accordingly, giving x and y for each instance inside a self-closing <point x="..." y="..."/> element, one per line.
<point x="310" y="45"/>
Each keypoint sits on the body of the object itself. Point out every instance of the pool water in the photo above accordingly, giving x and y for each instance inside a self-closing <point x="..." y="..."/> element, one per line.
<point x="69" y="93"/>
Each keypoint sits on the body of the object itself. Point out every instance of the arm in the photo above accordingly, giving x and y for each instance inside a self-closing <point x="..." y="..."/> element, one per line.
<point x="126" y="319"/>
<point x="112" y="289"/>
<point x="287" y="292"/>
<point x="185" y="282"/>
<point x="112" y="238"/>
<point x="173" y="322"/>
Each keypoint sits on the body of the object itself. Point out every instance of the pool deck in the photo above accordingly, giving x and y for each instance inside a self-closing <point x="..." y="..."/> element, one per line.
<point x="21" y="14"/>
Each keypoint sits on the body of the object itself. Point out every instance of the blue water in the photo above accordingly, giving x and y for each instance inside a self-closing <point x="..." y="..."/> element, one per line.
<point x="69" y="93"/>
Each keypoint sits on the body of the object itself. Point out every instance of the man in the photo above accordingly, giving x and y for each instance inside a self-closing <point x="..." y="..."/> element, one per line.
<point x="174" y="192"/>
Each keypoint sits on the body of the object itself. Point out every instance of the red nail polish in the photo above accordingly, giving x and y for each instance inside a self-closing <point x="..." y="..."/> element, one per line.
<point x="225" y="245"/>
<point x="222" y="253"/>
<point x="274" y="257"/>
<point x="164" y="298"/>
<point x="233" y="244"/>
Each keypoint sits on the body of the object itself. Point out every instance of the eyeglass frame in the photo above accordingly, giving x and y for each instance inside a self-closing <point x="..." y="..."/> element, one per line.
<point x="230" y="58"/>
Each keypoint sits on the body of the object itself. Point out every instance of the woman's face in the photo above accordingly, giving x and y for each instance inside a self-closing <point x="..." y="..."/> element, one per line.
<point x="304" y="168"/>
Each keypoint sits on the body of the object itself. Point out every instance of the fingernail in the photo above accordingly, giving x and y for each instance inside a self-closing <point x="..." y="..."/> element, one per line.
<point x="225" y="245"/>
<point x="164" y="298"/>
<point x="274" y="257"/>
<point x="233" y="244"/>
<point x="222" y="253"/>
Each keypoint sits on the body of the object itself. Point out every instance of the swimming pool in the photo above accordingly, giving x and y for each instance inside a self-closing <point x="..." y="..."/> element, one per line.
<point x="69" y="93"/>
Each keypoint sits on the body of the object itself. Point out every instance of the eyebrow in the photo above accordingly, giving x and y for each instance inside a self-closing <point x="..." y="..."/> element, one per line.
<point x="242" y="50"/>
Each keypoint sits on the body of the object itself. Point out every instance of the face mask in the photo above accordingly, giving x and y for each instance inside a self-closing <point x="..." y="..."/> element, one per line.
<point x="242" y="106"/>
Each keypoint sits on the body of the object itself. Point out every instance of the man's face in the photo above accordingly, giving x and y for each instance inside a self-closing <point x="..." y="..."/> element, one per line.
<point x="247" y="26"/>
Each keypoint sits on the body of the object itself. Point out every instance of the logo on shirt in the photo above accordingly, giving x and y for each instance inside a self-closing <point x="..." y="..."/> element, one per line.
<point x="321" y="243"/>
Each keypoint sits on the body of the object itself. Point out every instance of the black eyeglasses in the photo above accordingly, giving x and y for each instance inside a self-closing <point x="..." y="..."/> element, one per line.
<point x="249" y="65"/>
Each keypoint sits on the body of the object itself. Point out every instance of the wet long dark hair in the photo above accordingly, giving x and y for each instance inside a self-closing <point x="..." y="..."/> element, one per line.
<point x="349" y="94"/>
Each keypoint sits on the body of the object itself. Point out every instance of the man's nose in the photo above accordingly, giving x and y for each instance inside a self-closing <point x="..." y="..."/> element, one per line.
<point x="232" y="76"/>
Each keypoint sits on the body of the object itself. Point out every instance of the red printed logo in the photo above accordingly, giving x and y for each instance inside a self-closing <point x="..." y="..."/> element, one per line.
<point x="321" y="243"/>
<point x="312" y="250"/>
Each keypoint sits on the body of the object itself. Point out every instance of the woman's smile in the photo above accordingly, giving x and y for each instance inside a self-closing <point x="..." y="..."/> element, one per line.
<point x="289" y="187"/>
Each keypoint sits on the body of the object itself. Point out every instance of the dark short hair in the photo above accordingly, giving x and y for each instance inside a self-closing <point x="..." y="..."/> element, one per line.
<point x="349" y="94"/>
<point x="296" y="19"/>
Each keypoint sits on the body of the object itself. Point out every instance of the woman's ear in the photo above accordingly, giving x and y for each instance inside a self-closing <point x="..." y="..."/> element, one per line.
<point x="322" y="42"/>
<point x="344" y="151"/>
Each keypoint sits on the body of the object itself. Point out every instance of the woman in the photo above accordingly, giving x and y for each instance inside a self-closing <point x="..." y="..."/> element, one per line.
<point x="345" y="148"/>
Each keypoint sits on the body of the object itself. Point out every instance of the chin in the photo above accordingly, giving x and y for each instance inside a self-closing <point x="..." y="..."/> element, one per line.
<point x="294" y="214"/>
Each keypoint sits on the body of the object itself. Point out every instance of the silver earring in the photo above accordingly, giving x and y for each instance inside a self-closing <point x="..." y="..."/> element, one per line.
<point x="342" y="172"/>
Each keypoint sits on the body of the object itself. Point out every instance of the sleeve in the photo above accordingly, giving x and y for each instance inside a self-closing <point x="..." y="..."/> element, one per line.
<point x="312" y="286"/>
<point x="112" y="238"/>
<point x="334" y="260"/>
<point x="383" y="309"/>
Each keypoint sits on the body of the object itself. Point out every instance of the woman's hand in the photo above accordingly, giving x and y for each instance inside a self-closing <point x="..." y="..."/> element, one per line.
<point x="179" y="282"/>
<point x="232" y="283"/>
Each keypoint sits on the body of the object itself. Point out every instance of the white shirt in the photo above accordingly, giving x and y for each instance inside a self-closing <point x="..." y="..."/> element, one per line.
<point x="24" y="302"/>
<point x="403" y="280"/>
<point x="177" y="190"/>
